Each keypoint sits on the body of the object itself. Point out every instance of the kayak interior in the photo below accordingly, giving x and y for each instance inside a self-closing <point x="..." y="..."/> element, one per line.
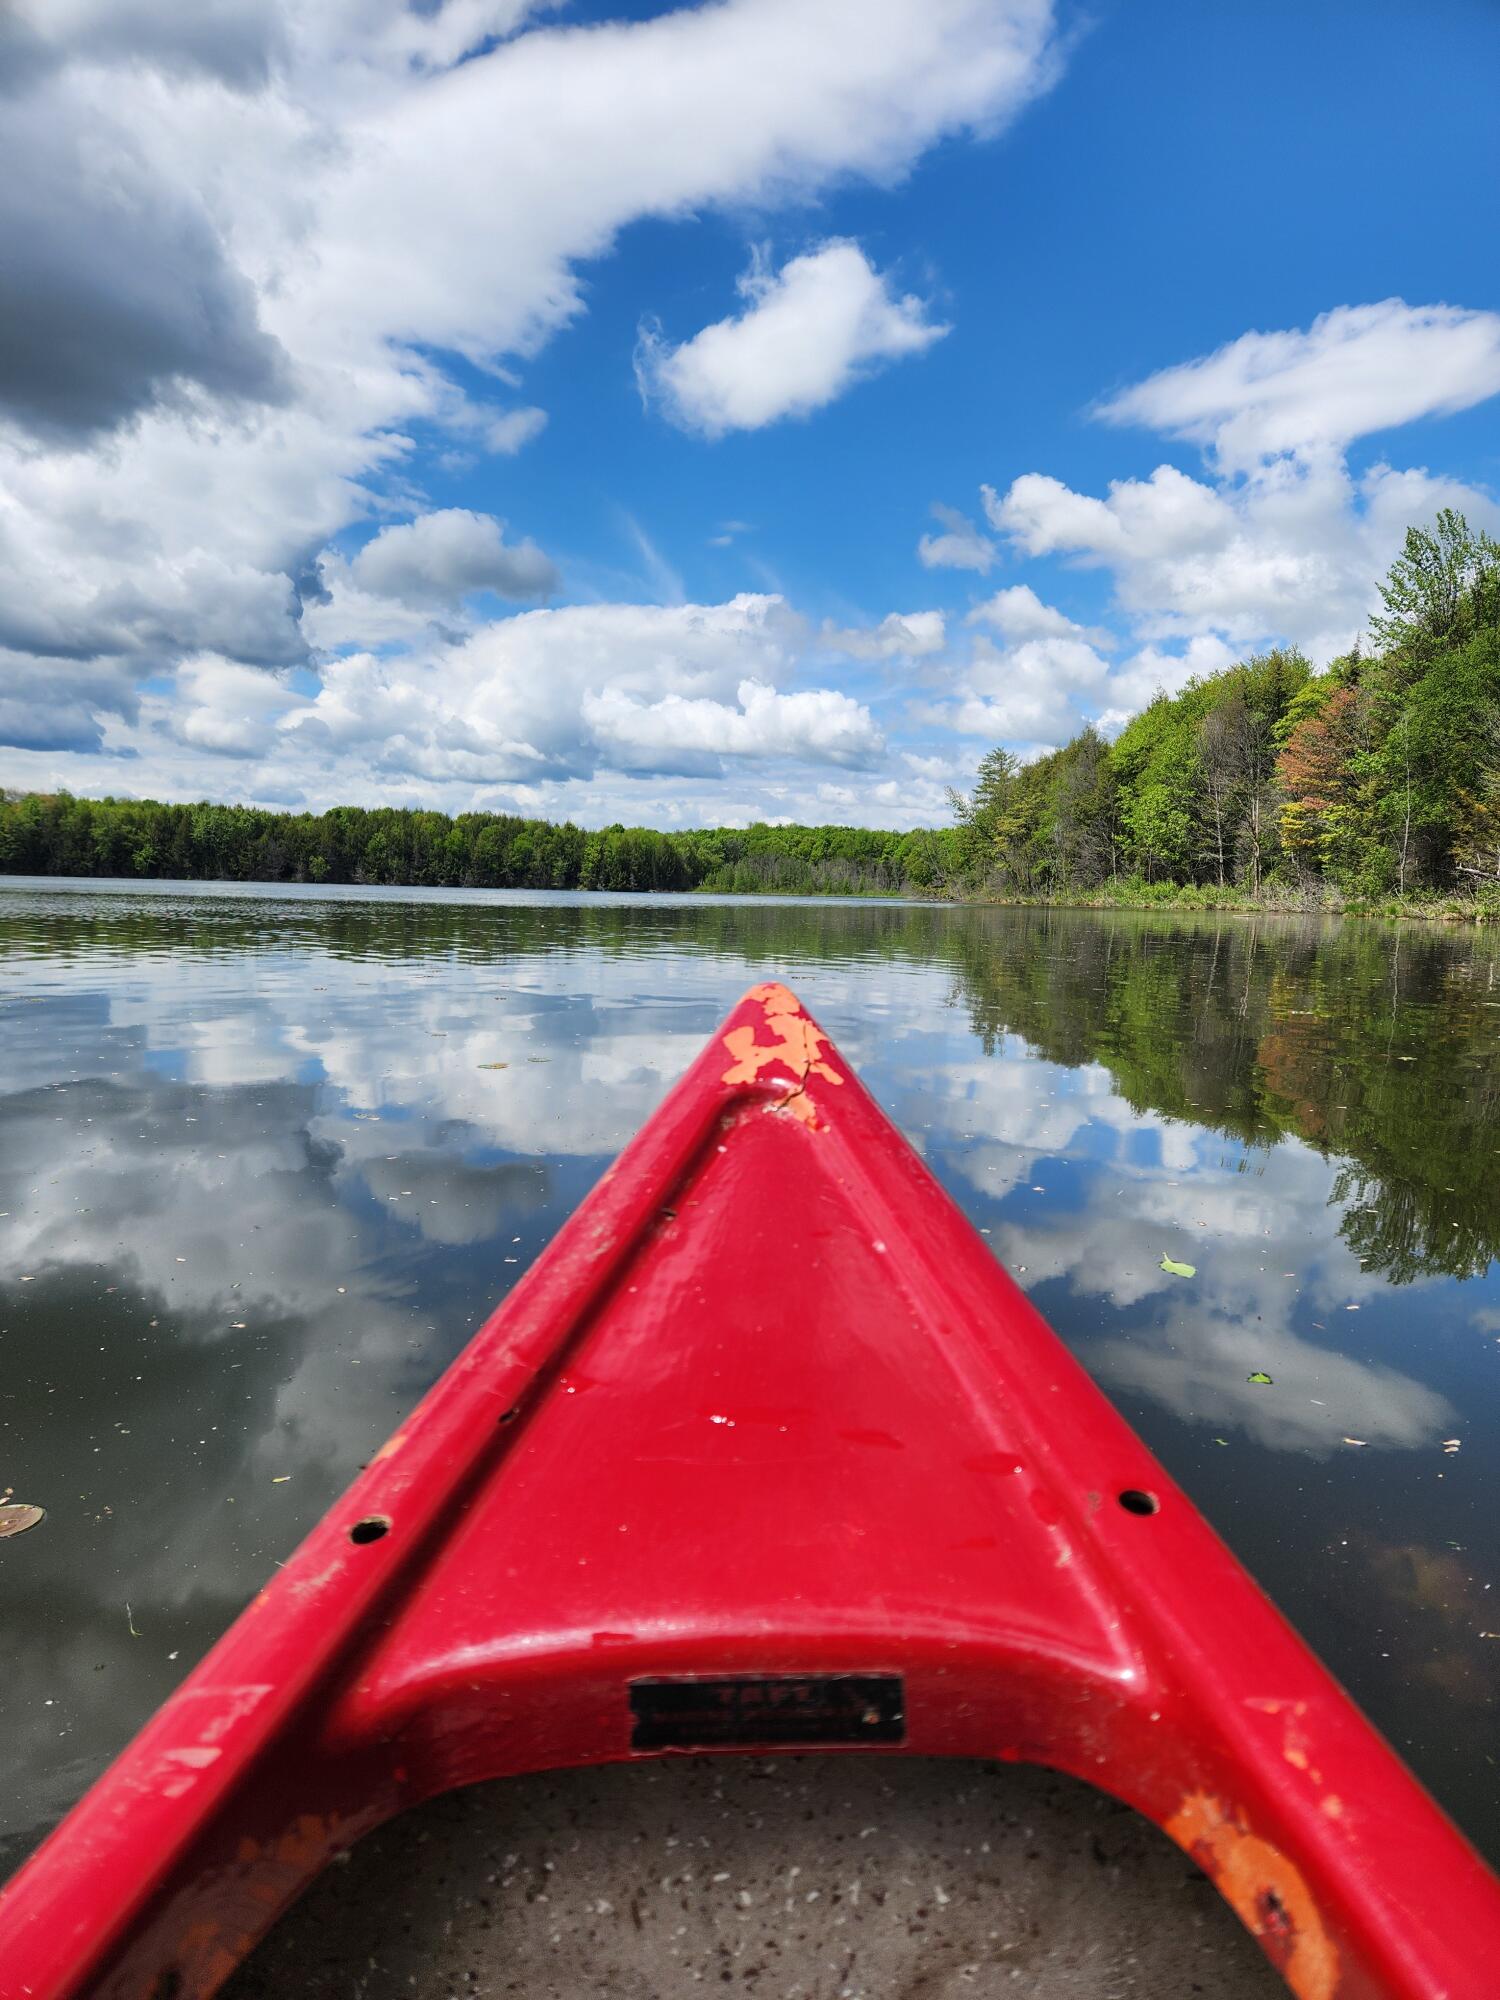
<point x="848" y="1878"/>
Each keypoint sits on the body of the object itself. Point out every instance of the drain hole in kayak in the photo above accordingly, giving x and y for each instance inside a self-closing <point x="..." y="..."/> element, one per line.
<point x="370" y="1529"/>
<point x="1135" y="1501"/>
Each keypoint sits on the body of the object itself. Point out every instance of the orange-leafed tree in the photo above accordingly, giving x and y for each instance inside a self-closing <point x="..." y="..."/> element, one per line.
<point x="1316" y="775"/>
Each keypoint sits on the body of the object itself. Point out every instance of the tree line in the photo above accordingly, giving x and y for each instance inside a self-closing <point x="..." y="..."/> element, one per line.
<point x="58" y="834"/>
<point x="1379" y="775"/>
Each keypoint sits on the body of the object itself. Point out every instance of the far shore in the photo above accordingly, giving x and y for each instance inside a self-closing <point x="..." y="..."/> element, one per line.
<point x="1479" y="907"/>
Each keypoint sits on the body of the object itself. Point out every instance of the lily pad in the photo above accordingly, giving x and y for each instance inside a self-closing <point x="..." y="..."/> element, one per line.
<point x="1179" y="1270"/>
<point x="1260" y="1378"/>
<point x="16" y="1519"/>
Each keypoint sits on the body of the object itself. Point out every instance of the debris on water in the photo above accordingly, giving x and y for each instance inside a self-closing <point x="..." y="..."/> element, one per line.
<point x="130" y="1622"/>
<point x="494" y="1065"/>
<point x="1223" y="1441"/>
<point x="1356" y="1440"/>
<point x="1450" y="1446"/>
<point x="281" y="1479"/>
<point x="1178" y="1270"/>
<point x="1260" y="1378"/>
<point x="15" y="1518"/>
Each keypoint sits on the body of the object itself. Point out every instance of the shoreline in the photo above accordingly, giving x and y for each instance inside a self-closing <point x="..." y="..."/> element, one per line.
<point x="1433" y="906"/>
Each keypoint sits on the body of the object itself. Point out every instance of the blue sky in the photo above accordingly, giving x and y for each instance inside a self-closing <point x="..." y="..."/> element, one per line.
<point x="1181" y="314"/>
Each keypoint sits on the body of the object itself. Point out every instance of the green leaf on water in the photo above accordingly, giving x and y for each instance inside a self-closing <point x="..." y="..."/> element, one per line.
<point x="1179" y="1270"/>
<point x="1260" y="1378"/>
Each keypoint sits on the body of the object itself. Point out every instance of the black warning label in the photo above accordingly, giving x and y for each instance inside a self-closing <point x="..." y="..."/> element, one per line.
<point x="767" y="1711"/>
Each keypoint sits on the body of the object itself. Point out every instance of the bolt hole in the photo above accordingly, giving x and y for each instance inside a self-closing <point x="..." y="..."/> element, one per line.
<point x="1136" y="1501"/>
<point x="370" y="1529"/>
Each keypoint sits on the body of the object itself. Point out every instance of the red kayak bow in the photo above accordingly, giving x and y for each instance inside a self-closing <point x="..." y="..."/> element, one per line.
<point x="765" y="1452"/>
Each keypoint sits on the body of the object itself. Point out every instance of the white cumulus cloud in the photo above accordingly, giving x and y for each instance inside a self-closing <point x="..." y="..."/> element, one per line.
<point x="445" y="555"/>
<point x="1036" y="693"/>
<point x="506" y="431"/>
<point x="1018" y="613"/>
<point x="807" y="333"/>
<point x="960" y="546"/>
<point x="818" y="725"/>
<point x="1355" y="370"/>
<point x="900" y="635"/>
<point x="1293" y="552"/>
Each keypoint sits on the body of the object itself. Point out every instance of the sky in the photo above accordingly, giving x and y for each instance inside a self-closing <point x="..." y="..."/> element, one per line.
<point x="695" y="415"/>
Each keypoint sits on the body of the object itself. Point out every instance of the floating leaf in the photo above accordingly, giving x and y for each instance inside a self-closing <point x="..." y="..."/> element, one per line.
<point x="16" y="1519"/>
<point x="1179" y="1270"/>
<point x="494" y="1065"/>
<point x="1260" y="1378"/>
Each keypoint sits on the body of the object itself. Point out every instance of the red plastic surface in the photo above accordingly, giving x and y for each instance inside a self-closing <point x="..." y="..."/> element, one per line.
<point x="766" y="1406"/>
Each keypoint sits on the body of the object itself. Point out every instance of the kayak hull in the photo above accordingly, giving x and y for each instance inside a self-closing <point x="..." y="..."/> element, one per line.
<point x="766" y="1451"/>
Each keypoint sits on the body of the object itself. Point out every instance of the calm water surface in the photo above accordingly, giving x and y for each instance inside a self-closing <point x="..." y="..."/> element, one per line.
<point x="259" y="1179"/>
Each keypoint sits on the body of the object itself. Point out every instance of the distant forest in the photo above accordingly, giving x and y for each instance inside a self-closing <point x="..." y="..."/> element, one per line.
<point x="62" y="835"/>
<point x="1379" y="776"/>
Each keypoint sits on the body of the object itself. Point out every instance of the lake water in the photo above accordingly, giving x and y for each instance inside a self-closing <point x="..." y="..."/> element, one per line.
<point x="260" y="1178"/>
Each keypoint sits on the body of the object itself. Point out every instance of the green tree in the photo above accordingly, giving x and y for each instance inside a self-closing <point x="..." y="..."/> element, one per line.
<point x="1444" y="586"/>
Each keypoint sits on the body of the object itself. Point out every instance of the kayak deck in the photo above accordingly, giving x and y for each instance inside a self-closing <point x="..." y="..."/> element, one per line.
<point x="802" y="1878"/>
<point x="765" y="1451"/>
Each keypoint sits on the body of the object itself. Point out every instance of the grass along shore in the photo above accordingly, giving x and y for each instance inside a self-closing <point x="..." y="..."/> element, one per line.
<point x="1318" y="899"/>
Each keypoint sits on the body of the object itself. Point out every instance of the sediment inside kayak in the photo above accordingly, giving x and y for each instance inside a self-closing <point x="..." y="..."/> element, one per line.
<point x="804" y="1878"/>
